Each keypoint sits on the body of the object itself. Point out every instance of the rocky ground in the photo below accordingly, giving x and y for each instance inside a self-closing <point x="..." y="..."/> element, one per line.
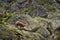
<point x="42" y="19"/>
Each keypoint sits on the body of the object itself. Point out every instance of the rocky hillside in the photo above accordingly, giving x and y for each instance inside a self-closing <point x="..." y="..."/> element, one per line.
<point x="29" y="19"/>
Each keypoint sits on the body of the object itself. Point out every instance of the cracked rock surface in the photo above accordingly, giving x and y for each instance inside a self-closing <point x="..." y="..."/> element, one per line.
<point x="42" y="18"/>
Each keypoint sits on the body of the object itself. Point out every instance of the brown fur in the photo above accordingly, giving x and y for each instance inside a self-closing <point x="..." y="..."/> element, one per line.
<point x="20" y="24"/>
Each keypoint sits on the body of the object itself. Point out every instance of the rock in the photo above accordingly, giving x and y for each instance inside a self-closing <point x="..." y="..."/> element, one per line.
<point x="7" y="7"/>
<point x="21" y="17"/>
<point x="41" y="16"/>
<point x="41" y="12"/>
<point x="1" y="10"/>
<point x="6" y="34"/>
<point x="58" y="1"/>
<point x="19" y="1"/>
<point x="14" y="6"/>
<point x="44" y="32"/>
<point x="38" y="12"/>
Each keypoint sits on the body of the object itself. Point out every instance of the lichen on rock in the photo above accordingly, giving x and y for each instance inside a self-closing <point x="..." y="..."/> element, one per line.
<point x="29" y="20"/>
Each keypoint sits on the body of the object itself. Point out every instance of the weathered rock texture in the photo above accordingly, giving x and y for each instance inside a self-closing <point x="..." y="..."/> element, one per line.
<point x="41" y="16"/>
